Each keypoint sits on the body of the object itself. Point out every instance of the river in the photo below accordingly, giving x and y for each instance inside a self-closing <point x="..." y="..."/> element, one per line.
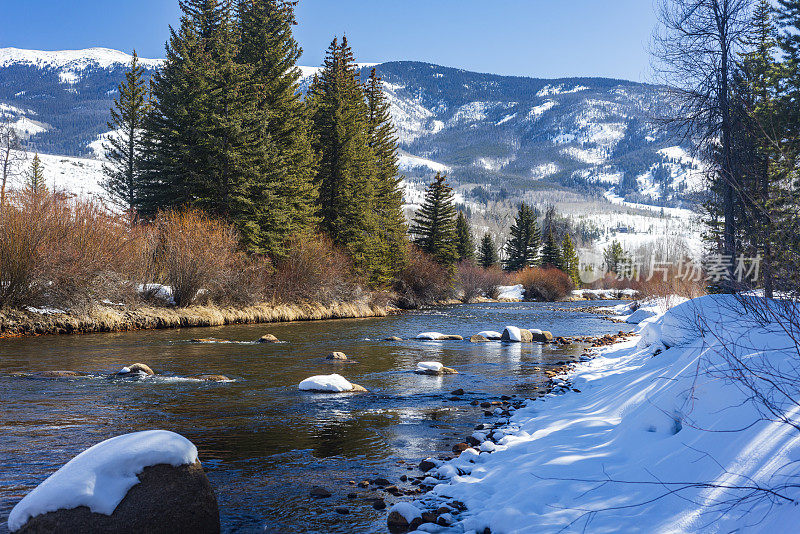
<point x="264" y="443"/>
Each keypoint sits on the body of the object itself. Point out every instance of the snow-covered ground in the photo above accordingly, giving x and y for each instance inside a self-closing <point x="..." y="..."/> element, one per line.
<point x="80" y="176"/>
<point x="659" y="439"/>
<point x="100" y="477"/>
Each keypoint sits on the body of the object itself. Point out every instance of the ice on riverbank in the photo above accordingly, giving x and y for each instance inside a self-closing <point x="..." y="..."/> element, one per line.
<point x="100" y="477"/>
<point x="660" y="436"/>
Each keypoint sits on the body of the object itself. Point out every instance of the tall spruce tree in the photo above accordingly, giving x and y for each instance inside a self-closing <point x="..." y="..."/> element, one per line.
<point x="123" y="150"/>
<point x="614" y="257"/>
<point x="487" y="254"/>
<point x="551" y="253"/>
<point x="205" y="140"/>
<point x="35" y="182"/>
<point x="571" y="260"/>
<point x="522" y="248"/>
<point x="285" y="193"/>
<point x="434" y="227"/>
<point x="346" y="177"/>
<point x="465" y="243"/>
<point x="388" y="201"/>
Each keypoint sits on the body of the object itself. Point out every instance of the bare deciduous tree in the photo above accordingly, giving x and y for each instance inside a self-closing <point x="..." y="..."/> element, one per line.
<point x="696" y="50"/>
<point x="12" y="155"/>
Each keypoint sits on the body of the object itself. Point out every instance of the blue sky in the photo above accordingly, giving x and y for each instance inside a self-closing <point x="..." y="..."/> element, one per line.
<point x="544" y="38"/>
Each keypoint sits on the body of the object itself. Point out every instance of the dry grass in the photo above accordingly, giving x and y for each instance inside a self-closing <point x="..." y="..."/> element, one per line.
<point x="475" y="281"/>
<point x="422" y="281"/>
<point x="107" y="319"/>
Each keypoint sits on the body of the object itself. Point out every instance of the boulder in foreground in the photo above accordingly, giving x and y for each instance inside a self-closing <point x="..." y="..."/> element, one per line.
<point x="142" y="482"/>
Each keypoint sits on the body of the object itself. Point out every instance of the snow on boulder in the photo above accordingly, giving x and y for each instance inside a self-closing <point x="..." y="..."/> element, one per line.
<point x="431" y="336"/>
<point x="401" y="515"/>
<point x="490" y="334"/>
<point x="516" y="335"/>
<point x="429" y="366"/>
<point x="329" y="384"/>
<point x="146" y="481"/>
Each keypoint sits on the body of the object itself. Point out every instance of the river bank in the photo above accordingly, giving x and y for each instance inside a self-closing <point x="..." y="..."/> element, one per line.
<point x="103" y="318"/>
<point x="657" y="430"/>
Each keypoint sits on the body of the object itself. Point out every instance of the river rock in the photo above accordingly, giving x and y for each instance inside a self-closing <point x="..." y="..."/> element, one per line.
<point x="337" y="356"/>
<point x="212" y="378"/>
<point x="319" y="493"/>
<point x="510" y="335"/>
<point x="268" y="338"/>
<point x="477" y="338"/>
<point x="542" y="336"/>
<point x="394" y="338"/>
<point x="166" y="500"/>
<point x="136" y="368"/>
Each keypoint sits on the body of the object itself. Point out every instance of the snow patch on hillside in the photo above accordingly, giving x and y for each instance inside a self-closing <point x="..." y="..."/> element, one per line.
<point x="540" y="110"/>
<point x="410" y="163"/>
<point x="549" y="90"/>
<point x="544" y="170"/>
<point x="79" y="176"/>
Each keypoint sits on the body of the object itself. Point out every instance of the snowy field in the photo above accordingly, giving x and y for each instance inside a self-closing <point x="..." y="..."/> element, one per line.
<point x="659" y="439"/>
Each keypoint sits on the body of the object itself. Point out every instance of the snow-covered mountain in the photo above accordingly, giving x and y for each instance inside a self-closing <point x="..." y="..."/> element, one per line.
<point x="489" y="132"/>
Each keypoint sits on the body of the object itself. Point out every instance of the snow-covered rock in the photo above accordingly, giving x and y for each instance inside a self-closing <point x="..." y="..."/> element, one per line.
<point x="429" y="366"/>
<point x="327" y="384"/>
<point x="490" y="334"/>
<point x="430" y="336"/>
<point x="101" y="476"/>
<point x="640" y="315"/>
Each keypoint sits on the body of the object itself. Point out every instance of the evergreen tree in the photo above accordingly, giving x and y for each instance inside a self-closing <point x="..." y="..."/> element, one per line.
<point x="551" y="253"/>
<point x="35" y="183"/>
<point x="614" y="257"/>
<point x="285" y="194"/>
<point x="487" y="255"/>
<point x="388" y="193"/>
<point x="571" y="264"/>
<point x="522" y="249"/>
<point x="205" y="141"/>
<point x="465" y="244"/>
<point x="346" y="177"/>
<point x="124" y="147"/>
<point x="434" y="227"/>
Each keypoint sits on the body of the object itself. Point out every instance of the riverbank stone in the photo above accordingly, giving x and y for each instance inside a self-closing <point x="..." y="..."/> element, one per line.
<point x="166" y="500"/>
<point x="542" y="336"/>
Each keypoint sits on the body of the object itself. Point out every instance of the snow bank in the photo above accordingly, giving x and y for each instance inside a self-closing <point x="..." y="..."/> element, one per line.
<point x="407" y="510"/>
<point x="516" y="292"/>
<point x="332" y="383"/>
<point x="101" y="476"/>
<point x="429" y="366"/>
<point x="658" y="437"/>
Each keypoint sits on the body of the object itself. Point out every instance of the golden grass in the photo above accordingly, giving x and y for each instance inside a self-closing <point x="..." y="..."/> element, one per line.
<point x="106" y="319"/>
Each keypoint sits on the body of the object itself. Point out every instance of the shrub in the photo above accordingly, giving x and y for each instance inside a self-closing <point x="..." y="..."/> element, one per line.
<point x="422" y="281"/>
<point x="199" y="259"/>
<point x="314" y="271"/>
<point x="547" y="285"/>
<point x="474" y="281"/>
<point x="58" y="250"/>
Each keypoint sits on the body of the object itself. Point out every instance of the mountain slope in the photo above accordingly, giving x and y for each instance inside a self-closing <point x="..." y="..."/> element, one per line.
<point x="492" y="134"/>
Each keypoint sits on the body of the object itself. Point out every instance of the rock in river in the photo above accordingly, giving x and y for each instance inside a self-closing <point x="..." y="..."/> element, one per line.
<point x="330" y="384"/>
<point x="268" y="338"/>
<point x="136" y="368"/>
<point x="337" y="356"/>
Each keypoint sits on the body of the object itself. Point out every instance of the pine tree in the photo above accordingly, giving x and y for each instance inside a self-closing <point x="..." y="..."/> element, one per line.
<point x="123" y="149"/>
<point x="347" y="163"/>
<point x="614" y="257"/>
<point x="571" y="261"/>
<point x="388" y="193"/>
<point x="285" y="193"/>
<point x="487" y="255"/>
<point x="205" y="140"/>
<point x="434" y="227"/>
<point x="522" y="249"/>
<point x="465" y="244"/>
<point x="551" y="253"/>
<point x="35" y="183"/>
